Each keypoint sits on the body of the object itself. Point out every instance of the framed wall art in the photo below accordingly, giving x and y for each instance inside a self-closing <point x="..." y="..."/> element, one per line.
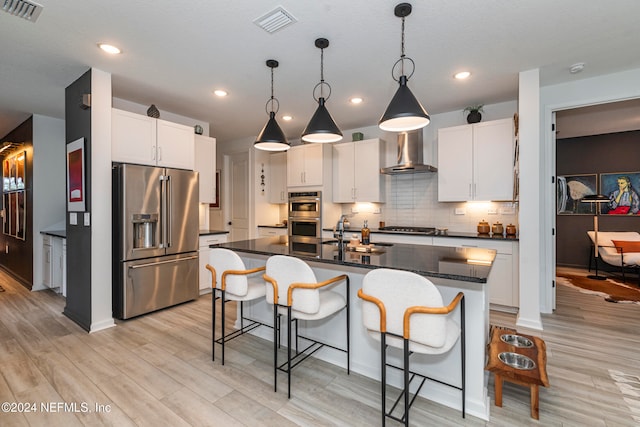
<point x="76" y="191"/>
<point x="622" y="190"/>
<point x="571" y="189"/>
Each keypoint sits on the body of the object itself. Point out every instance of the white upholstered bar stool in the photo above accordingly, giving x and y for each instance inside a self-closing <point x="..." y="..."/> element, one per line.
<point x="405" y="310"/>
<point x="236" y="284"/>
<point x="294" y="291"/>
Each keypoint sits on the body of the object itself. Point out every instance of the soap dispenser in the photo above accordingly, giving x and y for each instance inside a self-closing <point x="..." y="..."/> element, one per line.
<point x="365" y="233"/>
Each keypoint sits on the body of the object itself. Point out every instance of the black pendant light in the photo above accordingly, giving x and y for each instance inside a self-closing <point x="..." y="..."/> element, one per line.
<point x="404" y="112"/>
<point x="271" y="137"/>
<point x="321" y="128"/>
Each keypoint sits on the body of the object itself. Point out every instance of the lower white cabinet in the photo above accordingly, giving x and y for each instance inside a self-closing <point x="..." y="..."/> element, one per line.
<point x="272" y="231"/>
<point x="54" y="256"/>
<point x="203" y="257"/>
<point x="503" y="280"/>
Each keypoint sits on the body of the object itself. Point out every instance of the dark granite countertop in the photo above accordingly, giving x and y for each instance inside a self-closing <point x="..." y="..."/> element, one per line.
<point x="448" y="234"/>
<point x="212" y="232"/>
<point x="56" y="233"/>
<point x="455" y="263"/>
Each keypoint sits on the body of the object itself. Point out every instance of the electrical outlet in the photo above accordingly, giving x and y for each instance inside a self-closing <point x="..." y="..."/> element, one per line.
<point x="87" y="219"/>
<point x="6" y="248"/>
<point x="73" y="218"/>
<point x="376" y="210"/>
<point x="509" y="210"/>
<point x="492" y="211"/>
<point x="460" y="211"/>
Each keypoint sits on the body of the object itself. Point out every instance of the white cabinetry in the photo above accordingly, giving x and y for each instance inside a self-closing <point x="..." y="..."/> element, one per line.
<point x="304" y="165"/>
<point x="205" y="165"/>
<point x="203" y="257"/>
<point x="54" y="263"/>
<point x="475" y="162"/>
<point x="356" y="171"/>
<point x="278" y="181"/>
<point x="272" y="231"/>
<point x="503" y="279"/>
<point x="144" y="140"/>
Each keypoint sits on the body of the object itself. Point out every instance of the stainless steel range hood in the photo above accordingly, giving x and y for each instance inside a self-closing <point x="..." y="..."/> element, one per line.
<point x="409" y="155"/>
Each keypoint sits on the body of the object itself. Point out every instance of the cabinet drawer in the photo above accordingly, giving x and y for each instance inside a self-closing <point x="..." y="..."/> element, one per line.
<point x="205" y="241"/>
<point x="267" y="231"/>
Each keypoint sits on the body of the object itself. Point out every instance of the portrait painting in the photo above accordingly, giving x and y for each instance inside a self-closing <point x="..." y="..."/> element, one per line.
<point x="622" y="190"/>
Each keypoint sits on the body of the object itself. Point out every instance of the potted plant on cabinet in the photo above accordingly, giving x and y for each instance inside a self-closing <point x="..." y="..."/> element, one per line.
<point x="474" y="115"/>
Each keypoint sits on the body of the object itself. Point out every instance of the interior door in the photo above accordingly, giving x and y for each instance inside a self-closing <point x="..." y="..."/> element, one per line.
<point x="239" y="196"/>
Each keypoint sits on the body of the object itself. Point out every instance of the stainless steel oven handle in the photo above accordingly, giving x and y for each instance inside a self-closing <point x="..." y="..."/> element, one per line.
<point x="149" y="264"/>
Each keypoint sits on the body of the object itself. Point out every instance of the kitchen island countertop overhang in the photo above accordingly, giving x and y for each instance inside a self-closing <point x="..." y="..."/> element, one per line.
<point x="451" y="269"/>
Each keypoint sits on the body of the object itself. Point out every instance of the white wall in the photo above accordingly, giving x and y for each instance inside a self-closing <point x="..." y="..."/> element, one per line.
<point x="101" y="256"/>
<point x="49" y="186"/>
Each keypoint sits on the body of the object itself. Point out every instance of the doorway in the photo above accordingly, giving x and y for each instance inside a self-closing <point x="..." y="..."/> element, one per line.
<point x="585" y="144"/>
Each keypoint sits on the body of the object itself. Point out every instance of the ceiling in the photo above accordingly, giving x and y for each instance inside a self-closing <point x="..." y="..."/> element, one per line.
<point x="175" y="53"/>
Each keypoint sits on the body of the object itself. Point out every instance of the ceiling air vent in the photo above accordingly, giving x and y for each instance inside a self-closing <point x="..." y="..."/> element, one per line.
<point x="275" y="20"/>
<point x="22" y="9"/>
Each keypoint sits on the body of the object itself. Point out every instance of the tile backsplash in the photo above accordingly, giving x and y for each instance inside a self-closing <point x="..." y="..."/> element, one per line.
<point x="412" y="200"/>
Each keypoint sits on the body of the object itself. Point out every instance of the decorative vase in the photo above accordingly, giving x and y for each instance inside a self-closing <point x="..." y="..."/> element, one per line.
<point x="153" y="112"/>
<point x="474" y="117"/>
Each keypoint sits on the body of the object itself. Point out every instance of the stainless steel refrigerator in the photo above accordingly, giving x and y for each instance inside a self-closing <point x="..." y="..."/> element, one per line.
<point x="155" y="238"/>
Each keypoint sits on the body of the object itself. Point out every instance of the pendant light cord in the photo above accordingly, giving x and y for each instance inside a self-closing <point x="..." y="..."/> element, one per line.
<point x="272" y="89"/>
<point x="402" y="55"/>
<point x="321" y="73"/>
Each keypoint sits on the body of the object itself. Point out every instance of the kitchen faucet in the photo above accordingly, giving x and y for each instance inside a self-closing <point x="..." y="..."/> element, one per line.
<point x="338" y="230"/>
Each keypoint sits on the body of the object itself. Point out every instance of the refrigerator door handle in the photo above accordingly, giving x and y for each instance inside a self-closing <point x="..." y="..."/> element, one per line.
<point x="163" y="212"/>
<point x="151" y="264"/>
<point x="168" y="208"/>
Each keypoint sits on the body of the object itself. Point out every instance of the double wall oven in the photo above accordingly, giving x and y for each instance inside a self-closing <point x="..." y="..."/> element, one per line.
<point x="305" y="222"/>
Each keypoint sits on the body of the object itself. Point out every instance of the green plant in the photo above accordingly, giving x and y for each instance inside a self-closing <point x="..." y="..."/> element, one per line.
<point x="474" y="108"/>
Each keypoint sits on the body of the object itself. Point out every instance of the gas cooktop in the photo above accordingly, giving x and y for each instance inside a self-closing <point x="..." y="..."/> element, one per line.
<point x="409" y="229"/>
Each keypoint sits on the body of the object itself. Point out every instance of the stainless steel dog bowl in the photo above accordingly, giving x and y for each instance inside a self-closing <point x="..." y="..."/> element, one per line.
<point x="517" y="340"/>
<point x="517" y="361"/>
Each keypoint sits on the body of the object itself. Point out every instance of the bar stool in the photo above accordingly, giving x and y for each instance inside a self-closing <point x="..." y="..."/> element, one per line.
<point x="405" y="310"/>
<point x="236" y="284"/>
<point x="294" y="291"/>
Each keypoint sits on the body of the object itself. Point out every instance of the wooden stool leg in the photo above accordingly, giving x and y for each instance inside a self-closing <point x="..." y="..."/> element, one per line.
<point x="535" y="402"/>
<point x="498" y="389"/>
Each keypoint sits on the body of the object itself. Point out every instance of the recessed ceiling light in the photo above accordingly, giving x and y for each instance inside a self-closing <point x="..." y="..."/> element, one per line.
<point x="287" y="118"/>
<point x="462" y="75"/>
<point x="220" y="92"/>
<point x="576" y="68"/>
<point x="109" y="48"/>
<point x="356" y="100"/>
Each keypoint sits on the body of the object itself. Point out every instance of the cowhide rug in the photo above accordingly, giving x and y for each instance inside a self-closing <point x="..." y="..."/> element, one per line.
<point x="611" y="290"/>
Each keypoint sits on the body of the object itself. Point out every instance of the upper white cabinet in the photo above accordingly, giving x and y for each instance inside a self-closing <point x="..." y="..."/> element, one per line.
<point x="278" y="181"/>
<point x="304" y="165"/>
<point x="475" y="162"/>
<point x="205" y="165"/>
<point x="144" y="140"/>
<point x="356" y="171"/>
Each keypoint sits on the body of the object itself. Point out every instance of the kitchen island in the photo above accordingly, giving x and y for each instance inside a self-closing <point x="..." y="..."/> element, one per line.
<point x="451" y="269"/>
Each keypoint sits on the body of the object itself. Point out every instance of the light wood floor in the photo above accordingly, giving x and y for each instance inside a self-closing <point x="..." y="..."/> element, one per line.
<point x="156" y="370"/>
